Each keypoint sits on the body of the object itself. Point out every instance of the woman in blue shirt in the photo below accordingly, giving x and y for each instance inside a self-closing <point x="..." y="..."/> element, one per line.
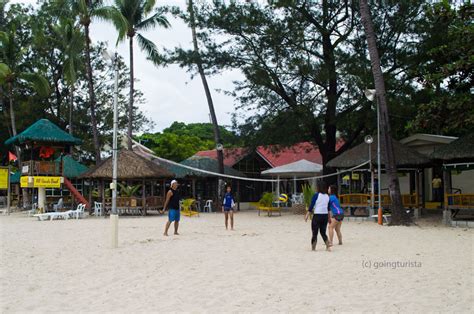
<point x="228" y="207"/>
<point x="337" y="215"/>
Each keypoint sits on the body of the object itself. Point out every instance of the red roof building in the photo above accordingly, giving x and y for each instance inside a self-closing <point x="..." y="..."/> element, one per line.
<point x="271" y="154"/>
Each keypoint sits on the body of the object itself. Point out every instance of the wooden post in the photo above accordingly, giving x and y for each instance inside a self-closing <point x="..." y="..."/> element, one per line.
<point x="144" y="198"/>
<point x="339" y="183"/>
<point x="446" y="213"/>
<point x="193" y="180"/>
<point x="350" y="182"/>
<point x="238" y="195"/>
<point x="417" y="195"/>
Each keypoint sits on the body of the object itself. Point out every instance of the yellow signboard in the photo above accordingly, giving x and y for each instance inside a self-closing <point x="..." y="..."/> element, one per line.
<point x="40" y="182"/>
<point x="3" y="178"/>
<point x="355" y="176"/>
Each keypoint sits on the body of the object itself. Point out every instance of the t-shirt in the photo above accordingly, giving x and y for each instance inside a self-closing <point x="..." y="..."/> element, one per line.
<point x="436" y="183"/>
<point x="228" y="200"/>
<point x="335" y="206"/>
<point x="174" y="200"/>
<point x="319" y="203"/>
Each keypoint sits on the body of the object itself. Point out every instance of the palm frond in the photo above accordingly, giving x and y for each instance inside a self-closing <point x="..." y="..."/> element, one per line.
<point x="148" y="6"/>
<point x="113" y="15"/>
<point x="158" y="19"/>
<point x="149" y="47"/>
<point x="4" y="71"/>
<point x="37" y="81"/>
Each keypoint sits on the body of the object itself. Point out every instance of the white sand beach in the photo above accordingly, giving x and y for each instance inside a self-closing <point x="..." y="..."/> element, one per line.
<point x="266" y="265"/>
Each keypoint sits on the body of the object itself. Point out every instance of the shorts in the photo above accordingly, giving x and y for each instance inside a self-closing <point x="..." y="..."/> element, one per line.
<point x="228" y="209"/>
<point x="339" y="217"/>
<point x="174" y="215"/>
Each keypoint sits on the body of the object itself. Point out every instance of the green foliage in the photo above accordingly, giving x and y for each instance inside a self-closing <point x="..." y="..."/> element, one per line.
<point x="305" y="66"/>
<point x="128" y="190"/>
<point x="180" y="140"/>
<point x="308" y="192"/>
<point x="445" y="68"/>
<point x="267" y="199"/>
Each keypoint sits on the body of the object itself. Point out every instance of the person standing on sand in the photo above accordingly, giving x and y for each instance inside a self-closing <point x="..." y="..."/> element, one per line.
<point x="337" y="215"/>
<point x="172" y="204"/>
<point x="228" y="208"/>
<point x="437" y="188"/>
<point x="319" y="209"/>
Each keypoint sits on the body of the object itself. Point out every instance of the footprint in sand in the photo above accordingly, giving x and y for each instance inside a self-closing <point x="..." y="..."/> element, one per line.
<point x="250" y="234"/>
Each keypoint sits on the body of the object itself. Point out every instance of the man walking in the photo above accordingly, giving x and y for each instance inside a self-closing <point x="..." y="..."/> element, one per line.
<point x="172" y="204"/>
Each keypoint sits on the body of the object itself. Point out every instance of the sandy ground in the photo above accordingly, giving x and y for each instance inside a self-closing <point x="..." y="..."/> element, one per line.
<point x="266" y="265"/>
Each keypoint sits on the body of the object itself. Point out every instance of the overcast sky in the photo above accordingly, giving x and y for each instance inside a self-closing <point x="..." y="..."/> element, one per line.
<point x="170" y="93"/>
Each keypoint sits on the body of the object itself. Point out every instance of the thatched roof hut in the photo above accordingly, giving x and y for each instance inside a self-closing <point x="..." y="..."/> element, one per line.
<point x="404" y="156"/>
<point x="461" y="149"/>
<point x="43" y="131"/>
<point x="130" y="166"/>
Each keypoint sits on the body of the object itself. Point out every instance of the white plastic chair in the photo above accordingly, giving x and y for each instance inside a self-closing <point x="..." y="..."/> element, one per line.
<point x="33" y="210"/>
<point x="208" y="206"/>
<point x="59" y="205"/>
<point x="97" y="209"/>
<point x="78" y="212"/>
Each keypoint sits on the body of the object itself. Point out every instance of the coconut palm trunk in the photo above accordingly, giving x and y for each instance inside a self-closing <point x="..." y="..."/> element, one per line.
<point x="90" y="84"/>
<point x="130" y="101"/>
<point x="210" y="103"/>
<point x="399" y="215"/>
<point x="71" y="109"/>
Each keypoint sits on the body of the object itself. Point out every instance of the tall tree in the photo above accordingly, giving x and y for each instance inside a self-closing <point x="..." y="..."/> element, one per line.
<point x="136" y="13"/>
<point x="303" y="65"/>
<point x="399" y="215"/>
<point x="210" y="103"/>
<point x="13" y="72"/>
<point x="71" y="41"/>
<point x="87" y="10"/>
<point x="445" y="70"/>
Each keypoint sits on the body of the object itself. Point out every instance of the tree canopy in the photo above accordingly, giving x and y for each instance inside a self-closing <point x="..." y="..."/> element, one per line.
<point x="180" y="141"/>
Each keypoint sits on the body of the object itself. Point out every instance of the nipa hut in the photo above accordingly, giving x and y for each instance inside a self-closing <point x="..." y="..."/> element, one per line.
<point x="407" y="160"/>
<point x="456" y="156"/>
<point x="141" y="183"/>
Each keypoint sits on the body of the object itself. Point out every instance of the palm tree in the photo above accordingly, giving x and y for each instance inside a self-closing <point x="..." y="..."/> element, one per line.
<point x="210" y="103"/>
<point x="87" y="10"/>
<point x="71" y="41"/>
<point x="12" y="72"/>
<point x="399" y="215"/>
<point x="136" y="13"/>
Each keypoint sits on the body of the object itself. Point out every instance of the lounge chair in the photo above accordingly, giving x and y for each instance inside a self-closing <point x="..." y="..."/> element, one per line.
<point x="52" y="215"/>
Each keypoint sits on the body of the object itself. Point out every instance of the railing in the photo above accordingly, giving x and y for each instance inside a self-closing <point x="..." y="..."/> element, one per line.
<point x="41" y="168"/>
<point x="354" y="200"/>
<point x="155" y="201"/>
<point x="460" y="201"/>
<point x="363" y="200"/>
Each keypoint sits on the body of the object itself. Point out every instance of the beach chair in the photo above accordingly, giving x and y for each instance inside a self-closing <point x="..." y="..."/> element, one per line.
<point x="78" y="212"/>
<point x="33" y="210"/>
<point x="208" y="207"/>
<point x="187" y="208"/>
<point x="97" y="209"/>
<point x="59" y="205"/>
<point x="52" y="215"/>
